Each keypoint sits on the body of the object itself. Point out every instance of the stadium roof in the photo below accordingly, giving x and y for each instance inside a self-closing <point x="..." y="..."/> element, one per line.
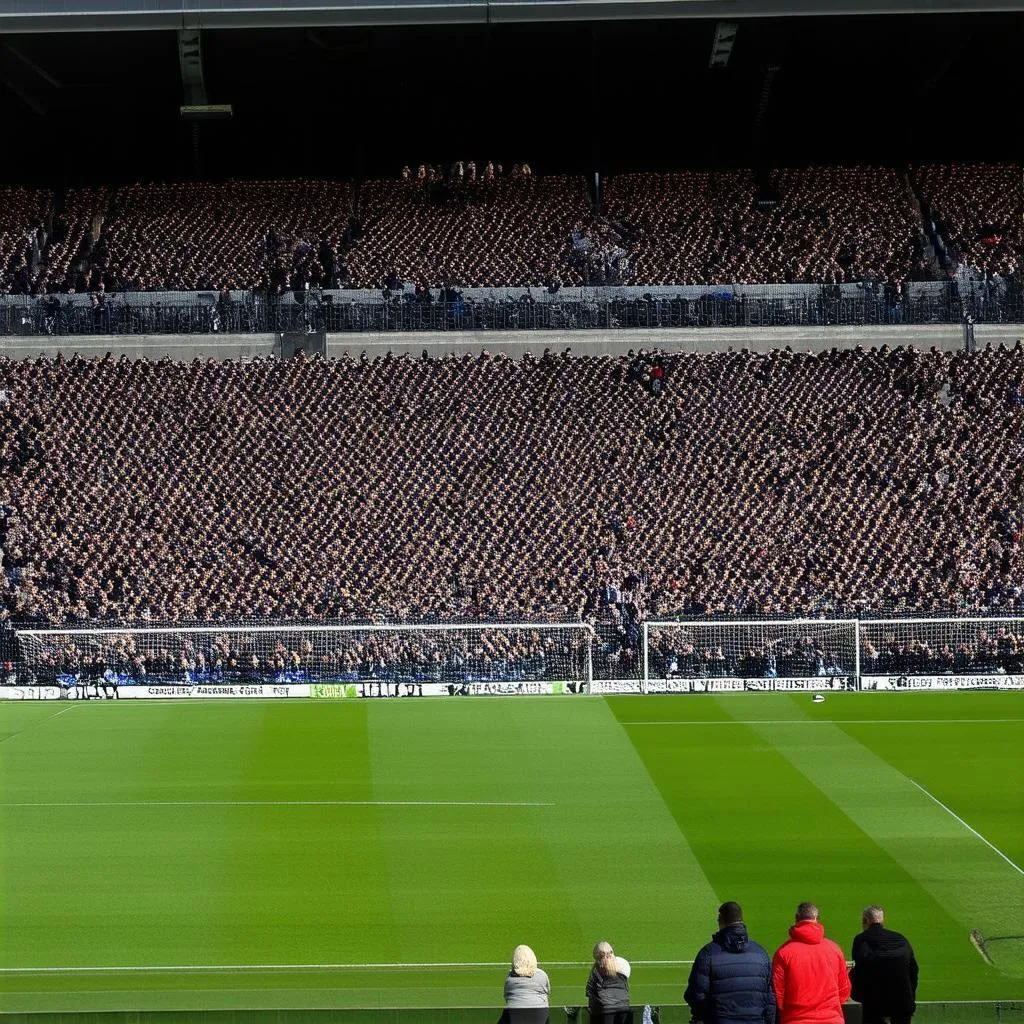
<point x="572" y="96"/>
<point x="90" y="15"/>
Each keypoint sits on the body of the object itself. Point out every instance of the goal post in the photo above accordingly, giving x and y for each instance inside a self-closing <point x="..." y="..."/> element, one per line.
<point x="791" y="654"/>
<point x="383" y="658"/>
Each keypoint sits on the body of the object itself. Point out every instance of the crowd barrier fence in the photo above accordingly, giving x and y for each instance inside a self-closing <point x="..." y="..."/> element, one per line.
<point x="253" y="313"/>
<point x="946" y="1012"/>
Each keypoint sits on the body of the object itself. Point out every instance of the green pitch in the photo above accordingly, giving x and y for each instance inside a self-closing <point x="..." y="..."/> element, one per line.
<point x="391" y="853"/>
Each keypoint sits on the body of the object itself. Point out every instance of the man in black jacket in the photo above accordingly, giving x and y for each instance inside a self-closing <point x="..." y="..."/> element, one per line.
<point x="731" y="979"/>
<point x="884" y="974"/>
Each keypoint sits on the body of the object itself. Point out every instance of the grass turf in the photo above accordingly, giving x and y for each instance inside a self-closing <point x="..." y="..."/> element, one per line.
<point x="384" y="836"/>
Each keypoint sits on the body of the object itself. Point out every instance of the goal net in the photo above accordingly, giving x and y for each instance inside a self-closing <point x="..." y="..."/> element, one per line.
<point x="918" y="651"/>
<point x="437" y="656"/>
<point x="765" y="655"/>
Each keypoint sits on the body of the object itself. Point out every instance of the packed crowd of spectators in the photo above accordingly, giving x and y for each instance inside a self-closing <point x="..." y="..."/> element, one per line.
<point x="23" y="212"/>
<point x="508" y="231"/>
<point x="820" y="224"/>
<point x="74" y="232"/>
<point x="246" y="234"/>
<point x="978" y="211"/>
<point x="676" y="653"/>
<point x="991" y="649"/>
<point x="479" y="225"/>
<point x="199" y="236"/>
<point x="611" y="489"/>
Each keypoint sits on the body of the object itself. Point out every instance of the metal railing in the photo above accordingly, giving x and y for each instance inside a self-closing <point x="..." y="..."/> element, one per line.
<point x="256" y="314"/>
<point x="949" y="1012"/>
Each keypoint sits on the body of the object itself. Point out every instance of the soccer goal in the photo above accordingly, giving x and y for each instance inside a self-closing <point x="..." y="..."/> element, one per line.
<point x="942" y="653"/>
<point x="381" y="659"/>
<point x="795" y="654"/>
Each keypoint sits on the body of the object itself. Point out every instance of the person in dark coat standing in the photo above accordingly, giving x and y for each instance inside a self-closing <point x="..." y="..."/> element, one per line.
<point x="731" y="978"/>
<point x="884" y="971"/>
<point x="608" y="988"/>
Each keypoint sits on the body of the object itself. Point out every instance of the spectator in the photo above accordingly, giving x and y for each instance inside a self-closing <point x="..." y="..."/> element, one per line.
<point x="809" y="973"/>
<point x="884" y="975"/>
<point x="527" y="988"/>
<point x="731" y="978"/>
<point x="607" y="988"/>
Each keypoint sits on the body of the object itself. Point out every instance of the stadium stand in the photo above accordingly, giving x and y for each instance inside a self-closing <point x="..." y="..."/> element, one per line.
<point x="978" y="211"/>
<point x="74" y="234"/>
<point x="505" y="232"/>
<point x="499" y="490"/>
<point x="23" y="212"/>
<point x="246" y="234"/>
<point x="813" y="225"/>
<point x="817" y="224"/>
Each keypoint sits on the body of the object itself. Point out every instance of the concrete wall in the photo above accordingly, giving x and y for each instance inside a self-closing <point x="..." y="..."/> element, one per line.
<point x="185" y="347"/>
<point x="516" y="343"/>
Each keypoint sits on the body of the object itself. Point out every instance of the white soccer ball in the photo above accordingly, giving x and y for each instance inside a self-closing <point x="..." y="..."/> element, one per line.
<point x="818" y="698"/>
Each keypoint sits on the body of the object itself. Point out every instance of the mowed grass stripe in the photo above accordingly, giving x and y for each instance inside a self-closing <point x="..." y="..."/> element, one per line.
<point x="100" y="881"/>
<point x="481" y="989"/>
<point x="302" y="896"/>
<point x="543" y="877"/>
<point x="769" y="836"/>
<point x="453" y="876"/>
<point x="630" y="872"/>
<point x="978" y="774"/>
<point x="163" y="889"/>
<point x="607" y="859"/>
<point x="977" y="887"/>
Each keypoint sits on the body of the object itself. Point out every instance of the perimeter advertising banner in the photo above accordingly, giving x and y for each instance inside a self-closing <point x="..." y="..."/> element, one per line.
<point x="1007" y="682"/>
<point x="82" y="692"/>
<point x="722" y="685"/>
<point x="355" y="691"/>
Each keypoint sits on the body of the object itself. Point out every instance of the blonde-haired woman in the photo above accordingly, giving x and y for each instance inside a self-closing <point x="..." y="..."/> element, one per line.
<point x="608" y="987"/>
<point x="527" y="988"/>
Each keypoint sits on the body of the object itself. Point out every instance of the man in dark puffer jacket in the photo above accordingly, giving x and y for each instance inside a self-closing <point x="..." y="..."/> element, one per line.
<point x="731" y="979"/>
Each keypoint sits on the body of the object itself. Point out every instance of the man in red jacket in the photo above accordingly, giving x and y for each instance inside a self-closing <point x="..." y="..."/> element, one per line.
<point x="809" y="972"/>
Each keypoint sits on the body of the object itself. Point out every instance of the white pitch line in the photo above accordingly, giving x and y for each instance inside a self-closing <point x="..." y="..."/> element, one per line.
<point x="282" y="803"/>
<point x="835" y="721"/>
<point x="39" y="724"/>
<point x="246" y="968"/>
<point x="973" y="831"/>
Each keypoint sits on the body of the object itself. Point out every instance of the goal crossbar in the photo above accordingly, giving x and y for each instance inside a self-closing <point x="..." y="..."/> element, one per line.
<point x="396" y="627"/>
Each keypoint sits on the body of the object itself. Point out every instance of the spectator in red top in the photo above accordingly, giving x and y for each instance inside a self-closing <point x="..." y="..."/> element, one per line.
<point x="809" y="973"/>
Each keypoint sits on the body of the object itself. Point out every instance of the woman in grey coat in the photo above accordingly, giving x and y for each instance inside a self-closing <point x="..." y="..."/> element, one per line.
<point x="527" y="988"/>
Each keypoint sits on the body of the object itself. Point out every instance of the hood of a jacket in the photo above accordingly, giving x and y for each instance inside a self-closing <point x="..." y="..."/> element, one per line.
<point x="811" y="932"/>
<point x="732" y="938"/>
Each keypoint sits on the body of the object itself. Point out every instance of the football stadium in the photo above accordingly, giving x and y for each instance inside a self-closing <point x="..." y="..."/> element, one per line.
<point x="511" y="511"/>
